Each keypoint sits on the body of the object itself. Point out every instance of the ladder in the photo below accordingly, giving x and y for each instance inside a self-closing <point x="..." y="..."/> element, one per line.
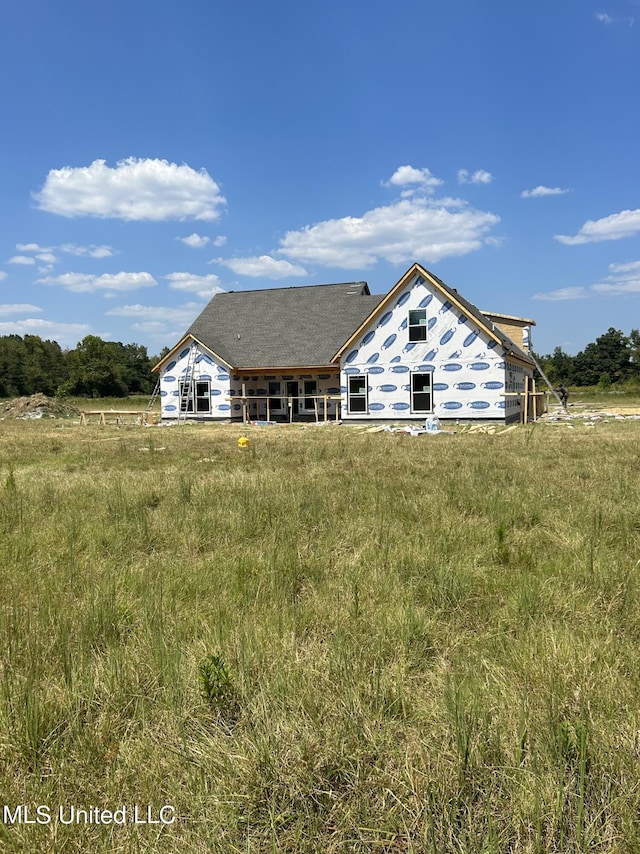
<point x="152" y="400"/>
<point x="187" y="387"/>
<point x="544" y="377"/>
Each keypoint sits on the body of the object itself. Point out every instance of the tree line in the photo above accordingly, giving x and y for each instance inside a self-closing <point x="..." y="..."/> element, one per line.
<point x="97" y="368"/>
<point x="612" y="359"/>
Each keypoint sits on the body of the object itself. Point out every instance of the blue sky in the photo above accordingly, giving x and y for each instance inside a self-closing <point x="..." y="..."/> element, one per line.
<point x="153" y="152"/>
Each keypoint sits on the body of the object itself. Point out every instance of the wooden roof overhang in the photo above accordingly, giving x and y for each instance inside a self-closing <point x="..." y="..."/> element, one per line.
<point x="188" y="339"/>
<point x="287" y="369"/>
<point x="450" y="295"/>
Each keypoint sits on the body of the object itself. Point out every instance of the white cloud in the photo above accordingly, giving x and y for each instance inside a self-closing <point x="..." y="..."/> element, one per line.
<point x="481" y="176"/>
<point x="263" y="265"/>
<point x="156" y="318"/>
<point x="203" y="286"/>
<point x="91" y="251"/>
<point x="624" y="279"/>
<point x="66" y="334"/>
<point x="631" y="268"/>
<point x="21" y="259"/>
<point x="220" y="240"/>
<point x="156" y="313"/>
<point x="45" y="253"/>
<point x="19" y="308"/>
<point x="613" y="227"/>
<point x="3" y="275"/>
<point x="620" y="289"/>
<point x="409" y="175"/>
<point x="150" y="326"/>
<point x="136" y="189"/>
<point x="608" y="20"/>
<point x="411" y="229"/>
<point x="194" y="241"/>
<point x="563" y="294"/>
<point x="541" y="190"/>
<point x="86" y="283"/>
<point x="32" y="247"/>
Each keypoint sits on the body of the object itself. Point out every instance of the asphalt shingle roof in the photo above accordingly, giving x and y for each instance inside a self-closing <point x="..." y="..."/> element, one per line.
<point x="283" y="327"/>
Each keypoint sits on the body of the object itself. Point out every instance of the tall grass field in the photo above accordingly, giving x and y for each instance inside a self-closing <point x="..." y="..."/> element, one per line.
<point x="330" y="640"/>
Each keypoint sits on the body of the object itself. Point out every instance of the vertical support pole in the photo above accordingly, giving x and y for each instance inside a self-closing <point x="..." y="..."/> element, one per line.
<point x="534" y="400"/>
<point x="325" y="407"/>
<point x="315" y="407"/>
<point x="526" y="398"/>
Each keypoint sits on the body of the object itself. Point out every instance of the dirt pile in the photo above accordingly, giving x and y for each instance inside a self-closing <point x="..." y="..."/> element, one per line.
<point x="37" y="406"/>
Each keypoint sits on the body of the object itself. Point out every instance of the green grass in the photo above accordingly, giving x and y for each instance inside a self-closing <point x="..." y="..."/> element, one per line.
<point x="332" y="640"/>
<point x="133" y="402"/>
<point x="627" y="394"/>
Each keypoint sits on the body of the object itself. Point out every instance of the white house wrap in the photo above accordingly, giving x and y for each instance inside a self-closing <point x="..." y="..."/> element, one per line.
<point x="327" y="351"/>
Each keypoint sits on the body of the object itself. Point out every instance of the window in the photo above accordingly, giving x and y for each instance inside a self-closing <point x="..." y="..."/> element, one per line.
<point x="310" y="388"/>
<point x="418" y="324"/>
<point x="198" y="392"/>
<point x="357" y="393"/>
<point x="274" y="392"/>
<point x="186" y="396"/>
<point x="421" y="398"/>
<point x="203" y="396"/>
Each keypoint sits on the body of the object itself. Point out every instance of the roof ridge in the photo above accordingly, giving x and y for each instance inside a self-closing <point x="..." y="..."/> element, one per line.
<point x="294" y="288"/>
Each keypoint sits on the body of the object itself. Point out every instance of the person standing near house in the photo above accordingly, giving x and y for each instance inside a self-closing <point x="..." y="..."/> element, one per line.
<point x="564" y="395"/>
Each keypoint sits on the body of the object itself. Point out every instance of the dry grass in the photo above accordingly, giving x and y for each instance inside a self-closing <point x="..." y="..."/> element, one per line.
<point x="331" y="640"/>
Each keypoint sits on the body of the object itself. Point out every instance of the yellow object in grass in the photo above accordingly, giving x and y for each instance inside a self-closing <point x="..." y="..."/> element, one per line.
<point x="243" y="442"/>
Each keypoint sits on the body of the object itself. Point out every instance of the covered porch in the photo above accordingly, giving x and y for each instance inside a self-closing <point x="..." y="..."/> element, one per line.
<point x="286" y="397"/>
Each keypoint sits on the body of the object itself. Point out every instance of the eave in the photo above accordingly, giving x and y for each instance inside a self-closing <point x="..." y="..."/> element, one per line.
<point x="285" y="369"/>
<point x="525" y="321"/>
<point x="184" y="340"/>
<point x="446" y="292"/>
<point x="380" y="308"/>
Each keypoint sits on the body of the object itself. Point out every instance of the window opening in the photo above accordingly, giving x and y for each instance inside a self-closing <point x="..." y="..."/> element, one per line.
<point x="310" y="388"/>
<point x="186" y="396"/>
<point x="421" y="393"/>
<point x="274" y="392"/>
<point x="357" y="393"/>
<point x="418" y="324"/>
<point x="203" y="396"/>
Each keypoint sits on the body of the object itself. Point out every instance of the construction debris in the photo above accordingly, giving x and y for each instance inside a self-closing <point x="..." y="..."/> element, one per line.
<point x="589" y="415"/>
<point x="37" y="406"/>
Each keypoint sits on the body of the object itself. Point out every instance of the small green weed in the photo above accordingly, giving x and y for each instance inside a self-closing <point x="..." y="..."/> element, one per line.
<point x="216" y="684"/>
